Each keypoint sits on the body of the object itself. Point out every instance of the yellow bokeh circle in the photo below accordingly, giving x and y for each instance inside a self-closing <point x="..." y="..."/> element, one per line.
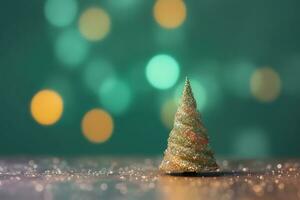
<point x="265" y="84"/>
<point x="46" y="107"/>
<point x="97" y="125"/>
<point x="94" y="24"/>
<point x="169" y="14"/>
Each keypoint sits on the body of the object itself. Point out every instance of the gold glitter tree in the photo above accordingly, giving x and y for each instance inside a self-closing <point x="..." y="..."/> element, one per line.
<point x="188" y="149"/>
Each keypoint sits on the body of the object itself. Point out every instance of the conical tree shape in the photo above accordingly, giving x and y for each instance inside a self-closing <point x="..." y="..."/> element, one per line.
<point x="188" y="149"/>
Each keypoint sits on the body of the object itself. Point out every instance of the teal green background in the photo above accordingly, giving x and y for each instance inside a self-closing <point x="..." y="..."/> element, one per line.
<point x="215" y="36"/>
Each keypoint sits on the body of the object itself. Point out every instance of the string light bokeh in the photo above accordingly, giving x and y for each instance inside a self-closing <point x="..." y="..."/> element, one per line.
<point x="115" y="95"/>
<point x="70" y="48"/>
<point x="97" y="125"/>
<point x="162" y="71"/>
<point x="46" y="107"/>
<point x="107" y="75"/>
<point x="94" y="24"/>
<point x="61" y="13"/>
<point x="265" y="84"/>
<point x="169" y="13"/>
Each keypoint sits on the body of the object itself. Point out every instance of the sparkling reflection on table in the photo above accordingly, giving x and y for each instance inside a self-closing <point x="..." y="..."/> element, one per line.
<point x="132" y="178"/>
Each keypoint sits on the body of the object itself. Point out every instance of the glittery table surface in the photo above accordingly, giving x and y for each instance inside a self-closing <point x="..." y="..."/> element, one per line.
<point x="87" y="178"/>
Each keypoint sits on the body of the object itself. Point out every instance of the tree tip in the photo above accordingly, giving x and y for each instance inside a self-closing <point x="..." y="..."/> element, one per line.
<point x="187" y="82"/>
<point x="187" y="79"/>
<point x="187" y="85"/>
<point x="187" y="94"/>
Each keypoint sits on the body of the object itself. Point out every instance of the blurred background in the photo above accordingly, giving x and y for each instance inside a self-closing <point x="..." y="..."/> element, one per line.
<point x="102" y="77"/>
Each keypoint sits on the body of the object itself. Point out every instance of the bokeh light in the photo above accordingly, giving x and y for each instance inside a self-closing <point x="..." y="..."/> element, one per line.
<point x="115" y="95"/>
<point x="251" y="143"/>
<point x="70" y="48"/>
<point x="97" y="125"/>
<point x="96" y="72"/>
<point x="167" y="113"/>
<point x="94" y="24"/>
<point x="199" y="92"/>
<point x="265" y="84"/>
<point x="169" y="13"/>
<point x="162" y="71"/>
<point x="60" y="12"/>
<point x="46" y="107"/>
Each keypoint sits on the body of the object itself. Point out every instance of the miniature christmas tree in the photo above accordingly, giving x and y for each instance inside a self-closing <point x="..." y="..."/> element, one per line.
<point x="188" y="149"/>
